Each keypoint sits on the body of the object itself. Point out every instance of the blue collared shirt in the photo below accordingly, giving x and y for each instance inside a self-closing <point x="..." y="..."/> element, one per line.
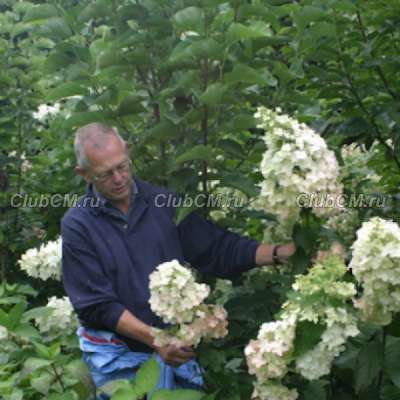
<point x="106" y="264"/>
<point x="109" y="208"/>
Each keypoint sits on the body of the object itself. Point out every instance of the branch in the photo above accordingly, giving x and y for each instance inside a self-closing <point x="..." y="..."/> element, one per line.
<point x="378" y="69"/>
<point x="353" y="91"/>
<point x="58" y="377"/>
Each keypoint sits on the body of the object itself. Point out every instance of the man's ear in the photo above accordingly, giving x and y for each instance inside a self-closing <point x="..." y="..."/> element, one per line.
<point x="83" y="173"/>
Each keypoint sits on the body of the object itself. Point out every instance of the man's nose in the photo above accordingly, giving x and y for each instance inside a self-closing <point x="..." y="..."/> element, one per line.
<point x="117" y="175"/>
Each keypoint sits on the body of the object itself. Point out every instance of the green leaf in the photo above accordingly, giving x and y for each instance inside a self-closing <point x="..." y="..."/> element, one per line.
<point x="112" y="387"/>
<point x="36" y="312"/>
<point x="147" y="377"/>
<point x="15" y="315"/>
<point x="304" y="237"/>
<point x="392" y="359"/>
<point x="82" y="118"/>
<point x="179" y="394"/>
<point x="131" y="104"/>
<point x="42" y="382"/>
<point x="27" y="331"/>
<point x="97" y="9"/>
<point x="308" y="335"/>
<point x="190" y="19"/>
<point x="232" y="148"/>
<point x="11" y="299"/>
<point x="315" y="390"/>
<point x="241" y="122"/>
<point x="213" y="94"/>
<point x="42" y="350"/>
<point x="165" y="130"/>
<point x="238" y="181"/>
<point x="56" y="28"/>
<point x="124" y="394"/>
<point x="33" y="364"/>
<point x="307" y="14"/>
<point x="368" y="365"/>
<point x="65" y="90"/>
<point x="41" y="12"/>
<point x="4" y="321"/>
<point x="244" y="74"/>
<point x="238" y="31"/>
<point x="198" y="152"/>
<point x="108" y="58"/>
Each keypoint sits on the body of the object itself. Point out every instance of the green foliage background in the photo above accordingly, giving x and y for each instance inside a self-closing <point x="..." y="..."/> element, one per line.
<point x="181" y="80"/>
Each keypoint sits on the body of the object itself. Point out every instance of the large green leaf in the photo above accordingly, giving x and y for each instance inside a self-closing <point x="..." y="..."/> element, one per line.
<point x="132" y="104"/>
<point x="308" y="336"/>
<point x="42" y="382"/>
<point x="41" y="12"/>
<point x="243" y="73"/>
<point x="147" y="377"/>
<point x="65" y="90"/>
<point x="190" y="19"/>
<point x="238" y="31"/>
<point x="32" y="364"/>
<point x="368" y="365"/>
<point x="232" y="148"/>
<point x="82" y="118"/>
<point x="198" y="152"/>
<point x="213" y="94"/>
<point x="392" y="359"/>
<point x="238" y="181"/>
<point x="56" y="28"/>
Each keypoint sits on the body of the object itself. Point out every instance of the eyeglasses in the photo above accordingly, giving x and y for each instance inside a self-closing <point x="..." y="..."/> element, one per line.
<point x="122" y="168"/>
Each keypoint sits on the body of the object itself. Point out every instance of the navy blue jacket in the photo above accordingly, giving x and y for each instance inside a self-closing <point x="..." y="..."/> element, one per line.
<point x="106" y="261"/>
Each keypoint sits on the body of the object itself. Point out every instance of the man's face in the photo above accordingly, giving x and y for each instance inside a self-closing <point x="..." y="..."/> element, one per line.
<point x="109" y="170"/>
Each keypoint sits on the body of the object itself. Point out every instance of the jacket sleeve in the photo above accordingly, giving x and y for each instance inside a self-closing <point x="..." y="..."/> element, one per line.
<point x="85" y="282"/>
<point x="213" y="250"/>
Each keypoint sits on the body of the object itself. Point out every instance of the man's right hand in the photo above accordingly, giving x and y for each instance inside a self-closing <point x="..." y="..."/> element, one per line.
<point x="175" y="356"/>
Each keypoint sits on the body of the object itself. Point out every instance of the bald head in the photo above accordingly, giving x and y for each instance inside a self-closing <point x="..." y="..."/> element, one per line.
<point x="93" y="136"/>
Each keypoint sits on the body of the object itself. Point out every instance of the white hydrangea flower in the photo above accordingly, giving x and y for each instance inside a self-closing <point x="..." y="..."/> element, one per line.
<point x="297" y="160"/>
<point x="44" y="263"/>
<point x="273" y="391"/>
<point x="317" y="362"/>
<point x="376" y="266"/>
<point x="3" y="333"/>
<point x="267" y="357"/>
<point x="345" y="224"/>
<point x="355" y="166"/>
<point x="178" y="299"/>
<point x="175" y="293"/>
<point x="62" y="317"/>
<point x="320" y="297"/>
<point x="210" y="322"/>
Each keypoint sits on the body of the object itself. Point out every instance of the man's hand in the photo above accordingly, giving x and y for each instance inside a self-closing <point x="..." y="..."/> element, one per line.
<point x="285" y="251"/>
<point x="175" y="356"/>
<point x="264" y="253"/>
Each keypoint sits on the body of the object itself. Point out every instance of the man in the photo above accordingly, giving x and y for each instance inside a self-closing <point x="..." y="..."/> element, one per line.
<point x="115" y="237"/>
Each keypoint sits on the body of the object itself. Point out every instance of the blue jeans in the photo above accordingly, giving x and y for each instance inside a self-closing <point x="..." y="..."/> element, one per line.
<point x="108" y="358"/>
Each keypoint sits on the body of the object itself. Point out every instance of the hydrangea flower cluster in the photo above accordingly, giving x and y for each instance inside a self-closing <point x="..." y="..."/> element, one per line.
<point x="319" y="297"/>
<point x="210" y="322"/>
<point x="345" y="224"/>
<point x="178" y="299"/>
<point x="44" y="263"/>
<point x="60" y="318"/>
<point x="297" y="160"/>
<point x="376" y="266"/>
<point x="355" y="165"/>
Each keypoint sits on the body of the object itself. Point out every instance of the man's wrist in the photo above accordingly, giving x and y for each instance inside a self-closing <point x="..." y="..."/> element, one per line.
<point x="275" y="255"/>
